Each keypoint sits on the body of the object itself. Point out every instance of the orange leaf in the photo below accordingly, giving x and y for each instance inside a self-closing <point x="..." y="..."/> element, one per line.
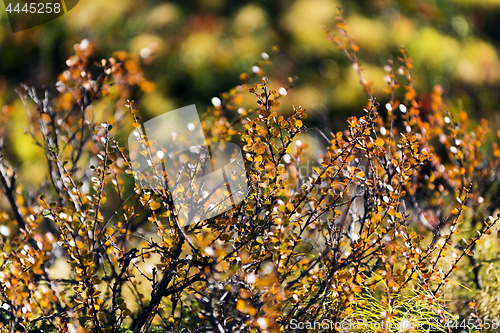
<point x="240" y="305"/>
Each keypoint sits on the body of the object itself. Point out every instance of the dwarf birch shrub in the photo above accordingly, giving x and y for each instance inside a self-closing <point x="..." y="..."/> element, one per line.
<point x="396" y="206"/>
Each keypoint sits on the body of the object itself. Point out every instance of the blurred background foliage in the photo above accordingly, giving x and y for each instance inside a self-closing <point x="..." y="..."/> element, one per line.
<point x="193" y="50"/>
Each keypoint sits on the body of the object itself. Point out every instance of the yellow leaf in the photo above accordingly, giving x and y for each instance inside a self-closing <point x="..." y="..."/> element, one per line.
<point x="240" y="305"/>
<point x="44" y="304"/>
<point x="154" y="205"/>
<point x="376" y="218"/>
<point x="379" y="142"/>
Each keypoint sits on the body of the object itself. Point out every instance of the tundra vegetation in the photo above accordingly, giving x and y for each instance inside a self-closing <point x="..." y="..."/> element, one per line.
<point x="393" y="223"/>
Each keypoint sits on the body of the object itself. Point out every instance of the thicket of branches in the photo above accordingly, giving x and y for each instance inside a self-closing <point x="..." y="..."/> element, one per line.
<point x="340" y="244"/>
